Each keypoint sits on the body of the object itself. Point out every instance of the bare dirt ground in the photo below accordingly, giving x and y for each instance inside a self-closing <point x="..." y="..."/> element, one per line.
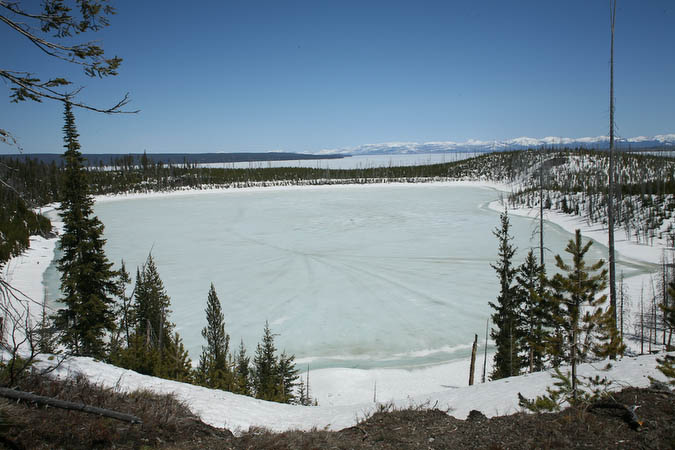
<point x="167" y="424"/>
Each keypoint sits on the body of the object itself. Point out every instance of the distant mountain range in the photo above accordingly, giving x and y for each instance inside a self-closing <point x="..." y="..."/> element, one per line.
<point x="96" y="159"/>
<point x="521" y="143"/>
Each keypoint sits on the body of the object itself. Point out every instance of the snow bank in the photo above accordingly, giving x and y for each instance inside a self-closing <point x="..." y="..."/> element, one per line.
<point x="629" y="250"/>
<point x="234" y="190"/>
<point x="26" y="271"/>
<point x="239" y="413"/>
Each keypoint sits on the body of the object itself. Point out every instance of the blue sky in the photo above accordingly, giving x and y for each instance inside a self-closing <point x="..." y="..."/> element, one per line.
<point x="216" y="76"/>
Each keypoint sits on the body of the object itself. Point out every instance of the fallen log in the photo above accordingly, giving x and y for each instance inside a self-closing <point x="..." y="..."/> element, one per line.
<point x="629" y="412"/>
<point x="63" y="404"/>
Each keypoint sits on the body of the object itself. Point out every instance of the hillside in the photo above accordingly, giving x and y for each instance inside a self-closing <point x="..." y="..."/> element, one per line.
<point x="176" y="416"/>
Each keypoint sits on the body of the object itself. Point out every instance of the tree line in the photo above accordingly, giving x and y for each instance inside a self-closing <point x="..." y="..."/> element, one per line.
<point x="574" y="183"/>
<point x="541" y="321"/>
<point x="99" y="319"/>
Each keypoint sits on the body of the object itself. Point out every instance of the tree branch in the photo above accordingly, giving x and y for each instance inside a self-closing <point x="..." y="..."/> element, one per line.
<point x="63" y="404"/>
<point x="82" y="51"/>
<point x="42" y="91"/>
<point x="12" y="7"/>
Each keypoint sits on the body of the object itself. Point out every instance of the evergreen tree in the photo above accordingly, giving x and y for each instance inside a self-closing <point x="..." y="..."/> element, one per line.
<point x="506" y="334"/>
<point x="151" y="306"/>
<point x="265" y="373"/>
<point x="242" y="380"/>
<point x="175" y="361"/>
<point x="587" y="327"/>
<point x="533" y="312"/>
<point x="213" y="362"/>
<point x="668" y="308"/>
<point x="154" y="348"/>
<point x="123" y="311"/>
<point x="288" y="376"/>
<point x="273" y="378"/>
<point x="87" y="278"/>
<point x="667" y="363"/>
<point x="139" y="356"/>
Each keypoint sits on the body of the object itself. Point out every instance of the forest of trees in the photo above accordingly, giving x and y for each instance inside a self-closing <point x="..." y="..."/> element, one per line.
<point x="98" y="317"/>
<point x="574" y="182"/>
<point x="541" y="322"/>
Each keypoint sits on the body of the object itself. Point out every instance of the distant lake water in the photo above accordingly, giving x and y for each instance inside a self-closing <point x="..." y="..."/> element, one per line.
<point x="347" y="276"/>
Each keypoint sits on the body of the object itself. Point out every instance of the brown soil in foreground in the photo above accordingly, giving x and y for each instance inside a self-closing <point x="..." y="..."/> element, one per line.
<point x="167" y="424"/>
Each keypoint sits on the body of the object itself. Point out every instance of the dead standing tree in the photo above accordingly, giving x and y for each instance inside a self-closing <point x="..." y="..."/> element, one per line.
<point x="611" y="187"/>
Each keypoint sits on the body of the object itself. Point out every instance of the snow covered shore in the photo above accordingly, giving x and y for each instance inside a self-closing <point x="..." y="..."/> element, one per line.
<point x="26" y="271"/>
<point x="239" y="413"/>
<point x="346" y="394"/>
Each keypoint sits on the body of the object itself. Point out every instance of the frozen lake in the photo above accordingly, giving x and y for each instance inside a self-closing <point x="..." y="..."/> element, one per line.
<point x="348" y="276"/>
<point x="355" y="162"/>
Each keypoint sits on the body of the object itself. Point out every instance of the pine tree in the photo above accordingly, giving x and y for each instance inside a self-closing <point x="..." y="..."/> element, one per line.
<point x="123" y="312"/>
<point x="151" y="306"/>
<point x="667" y="363"/>
<point x="533" y="312"/>
<point x="668" y="308"/>
<point x="175" y="361"/>
<point x="138" y="356"/>
<point x="288" y="376"/>
<point x="265" y="373"/>
<point x="242" y="380"/>
<point x="213" y="362"/>
<point x="587" y="327"/>
<point x="154" y="348"/>
<point x="87" y="278"/>
<point x="506" y="335"/>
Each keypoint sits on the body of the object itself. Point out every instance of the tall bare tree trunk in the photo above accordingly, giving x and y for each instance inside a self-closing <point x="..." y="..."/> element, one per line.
<point x="610" y="204"/>
<point x="472" y="367"/>
<point x="573" y="358"/>
<point x="487" y="326"/>
<point x="642" y="323"/>
<point x="541" y="206"/>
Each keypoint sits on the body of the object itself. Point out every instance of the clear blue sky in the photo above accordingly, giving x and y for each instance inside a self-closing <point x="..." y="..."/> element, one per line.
<point x="230" y="76"/>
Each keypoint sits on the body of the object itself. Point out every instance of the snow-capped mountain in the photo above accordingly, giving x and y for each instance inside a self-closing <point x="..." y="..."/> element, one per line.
<point x="520" y="143"/>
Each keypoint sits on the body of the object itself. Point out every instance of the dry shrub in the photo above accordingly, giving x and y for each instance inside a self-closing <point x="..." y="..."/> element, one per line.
<point x="165" y="419"/>
<point x="164" y="411"/>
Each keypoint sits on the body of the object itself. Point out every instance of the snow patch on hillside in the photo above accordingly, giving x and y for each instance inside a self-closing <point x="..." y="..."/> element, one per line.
<point x="239" y="413"/>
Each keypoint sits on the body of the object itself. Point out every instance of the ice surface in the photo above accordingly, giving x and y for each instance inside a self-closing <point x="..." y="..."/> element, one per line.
<point x="347" y="276"/>
<point x="355" y="162"/>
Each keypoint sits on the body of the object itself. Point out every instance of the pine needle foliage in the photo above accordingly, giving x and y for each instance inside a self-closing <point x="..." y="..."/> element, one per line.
<point x="242" y="371"/>
<point x="154" y="348"/>
<point x="274" y="378"/>
<point x="506" y="316"/>
<point x="87" y="278"/>
<point x="152" y="305"/>
<point x="214" y="367"/>
<point x="582" y="394"/>
<point x="586" y="325"/>
<point x="667" y="363"/>
<point x="667" y="307"/>
<point x="534" y="312"/>
<point x="265" y="367"/>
